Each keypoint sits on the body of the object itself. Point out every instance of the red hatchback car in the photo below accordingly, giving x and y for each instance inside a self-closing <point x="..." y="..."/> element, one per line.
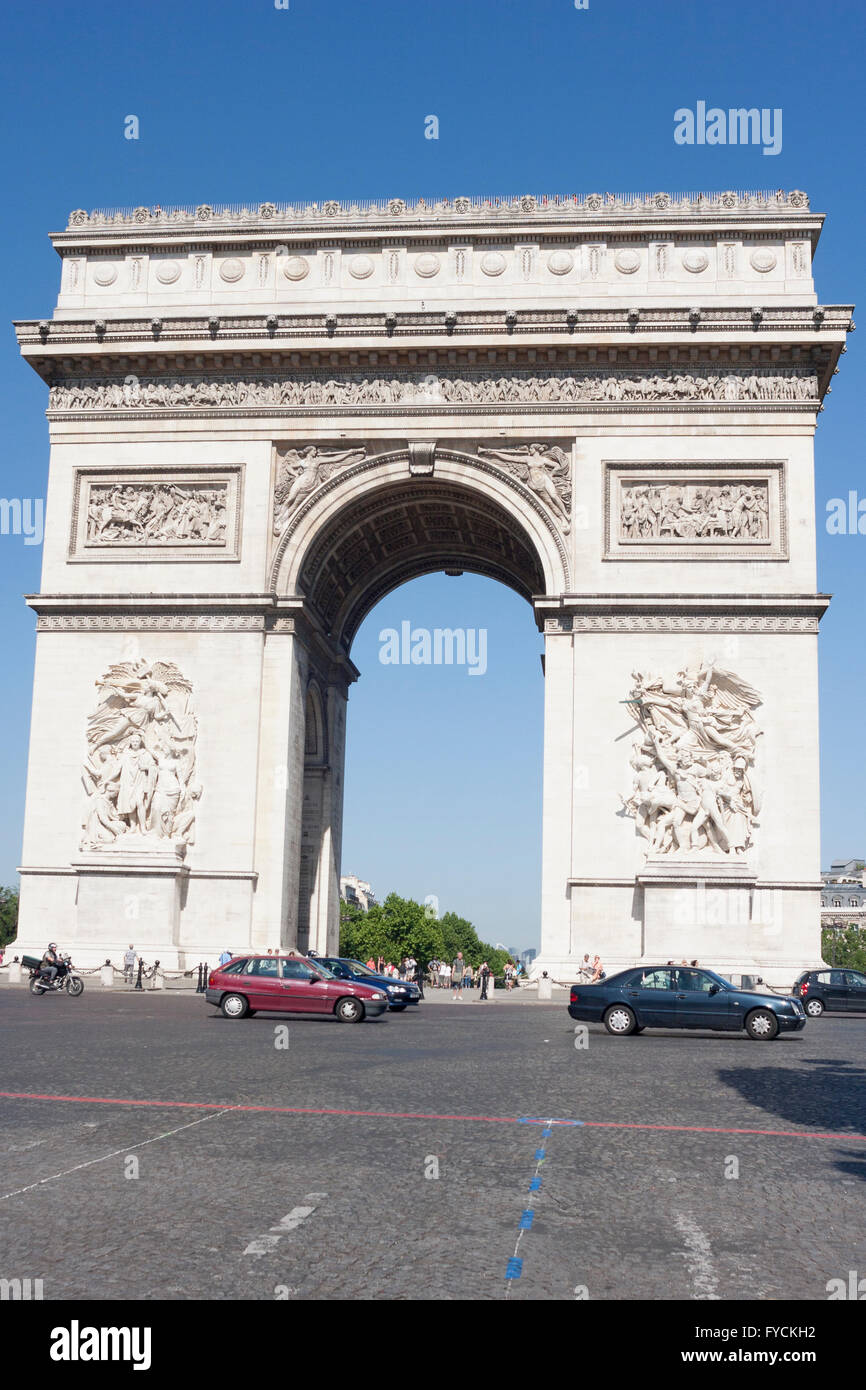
<point x="289" y="985"/>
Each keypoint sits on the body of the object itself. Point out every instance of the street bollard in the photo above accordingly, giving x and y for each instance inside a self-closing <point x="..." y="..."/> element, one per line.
<point x="138" y="984"/>
<point x="199" y="989"/>
<point x="106" y="973"/>
<point x="545" y="986"/>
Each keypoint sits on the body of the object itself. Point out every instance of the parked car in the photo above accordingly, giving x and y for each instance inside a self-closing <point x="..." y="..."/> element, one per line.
<point x="837" y="991"/>
<point x="290" y="985"/>
<point x="401" y="993"/>
<point x="663" y="996"/>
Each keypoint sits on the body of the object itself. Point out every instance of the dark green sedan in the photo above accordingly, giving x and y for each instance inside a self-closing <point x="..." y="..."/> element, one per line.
<point x="679" y="996"/>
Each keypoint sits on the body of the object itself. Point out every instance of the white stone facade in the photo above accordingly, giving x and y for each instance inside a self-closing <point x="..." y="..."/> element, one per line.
<point x="263" y="420"/>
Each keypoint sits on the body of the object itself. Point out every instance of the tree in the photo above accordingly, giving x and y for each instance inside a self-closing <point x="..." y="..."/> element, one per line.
<point x="401" y="927"/>
<point x="8" y="915"/>
<point x="845" y="946"/>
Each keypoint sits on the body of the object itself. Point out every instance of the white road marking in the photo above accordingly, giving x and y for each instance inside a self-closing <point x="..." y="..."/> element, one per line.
<point x="114" y="1154"/>
<point x="699" y="1257"/>
<point x="263" y="1245"/>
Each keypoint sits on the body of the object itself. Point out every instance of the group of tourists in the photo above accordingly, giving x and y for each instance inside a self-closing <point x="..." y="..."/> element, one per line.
<point x="589" y="972"/>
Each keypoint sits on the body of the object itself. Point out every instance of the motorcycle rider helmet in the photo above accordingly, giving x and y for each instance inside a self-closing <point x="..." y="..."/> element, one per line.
<point x="52" y="945"/>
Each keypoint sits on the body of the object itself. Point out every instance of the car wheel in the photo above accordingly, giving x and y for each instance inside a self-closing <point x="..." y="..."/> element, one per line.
<point x="815" y="1008"/>
<point x="233" y="1006"/>
<point x="349" y="1010"/>
<point x="762" y="1025"/>
<point x="620" y="1020"/>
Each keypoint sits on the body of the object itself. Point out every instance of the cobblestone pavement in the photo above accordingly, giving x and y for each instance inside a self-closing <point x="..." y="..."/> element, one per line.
<point x="628" y="1206"/>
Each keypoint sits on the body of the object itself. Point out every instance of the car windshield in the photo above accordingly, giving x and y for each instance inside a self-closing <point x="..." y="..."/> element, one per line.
<point x="320" y="968"/>
<point x="362" y="969"/>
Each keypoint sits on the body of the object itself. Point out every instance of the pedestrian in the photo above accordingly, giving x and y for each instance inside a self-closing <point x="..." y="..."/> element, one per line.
<point x="509" y="976"/>
<point x="484" y="972"/>
<point x="419" y="978"/>
<point x="129" y="963"/>
<point x="443" y="975"/>
<point x="585" y="970"/>
<point x="467" y="976"/>
<point x="457" y="968"/>
<point x="225" y="957"/>
<point x="598" y="970"/>
<point x="371" y="964"/>
<point x="380" y="964"/>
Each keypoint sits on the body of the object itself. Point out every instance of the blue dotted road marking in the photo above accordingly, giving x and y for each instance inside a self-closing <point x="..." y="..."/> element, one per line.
<point x="526" y="1220"/>
<point x="514" y="1268"/>
<point x="535" y="1184"/>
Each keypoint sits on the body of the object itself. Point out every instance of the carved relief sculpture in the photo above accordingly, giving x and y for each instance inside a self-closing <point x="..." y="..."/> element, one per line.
<point x="140" y="769"/>
<point x="736" y="511"/>
<point x="694" y="792"/>
<point x="301" y="471"/>
<point x="171" y="393"/>
<point x="157" y="514"/>
<point x="544" y="468"/>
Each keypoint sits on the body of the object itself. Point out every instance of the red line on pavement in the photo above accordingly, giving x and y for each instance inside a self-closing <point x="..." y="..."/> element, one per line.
<point x="416" y="1115"/>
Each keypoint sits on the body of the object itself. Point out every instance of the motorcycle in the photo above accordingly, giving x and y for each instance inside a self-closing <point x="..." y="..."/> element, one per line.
<point x="66" y="978"/>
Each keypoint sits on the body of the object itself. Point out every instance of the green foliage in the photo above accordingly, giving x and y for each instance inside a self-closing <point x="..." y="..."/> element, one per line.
<point x="845" y="946"/>
<point x="400" y="927"/>
<point x="8" y="915"/>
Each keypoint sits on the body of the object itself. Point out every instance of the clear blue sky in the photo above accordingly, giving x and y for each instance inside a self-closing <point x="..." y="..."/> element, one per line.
<point x="244" y="102"/>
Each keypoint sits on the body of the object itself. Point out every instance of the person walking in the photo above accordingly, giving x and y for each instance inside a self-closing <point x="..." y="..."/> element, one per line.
<point x="443" y="975"/>
<point x="467" y="976"/>
<point x="458" y="965"/>
<point x="484" y="973"/>
<point x="129" y="963"/>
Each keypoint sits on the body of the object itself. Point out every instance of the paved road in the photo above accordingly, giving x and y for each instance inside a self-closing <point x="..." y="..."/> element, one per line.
<point x="634" y="1203"/>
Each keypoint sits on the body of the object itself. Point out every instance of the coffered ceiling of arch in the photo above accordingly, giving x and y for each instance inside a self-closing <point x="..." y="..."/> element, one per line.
<point x="406" y="531"/>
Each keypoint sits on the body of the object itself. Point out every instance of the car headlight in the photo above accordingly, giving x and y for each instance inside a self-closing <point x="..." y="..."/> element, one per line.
<point x="378" y="996"/>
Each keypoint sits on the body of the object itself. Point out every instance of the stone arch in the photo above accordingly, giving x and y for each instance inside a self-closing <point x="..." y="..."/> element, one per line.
<point x="315" y="726"/>
<point x="377" y="525"/>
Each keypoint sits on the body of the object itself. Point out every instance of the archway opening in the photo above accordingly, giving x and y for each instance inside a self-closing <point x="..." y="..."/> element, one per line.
<point x="446" y="724"/>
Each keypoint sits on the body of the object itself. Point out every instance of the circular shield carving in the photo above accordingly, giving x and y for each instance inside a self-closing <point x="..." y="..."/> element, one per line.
<point x="763" y="261"/>
<point x="626" y="262"/>
<point x="360" y="267"/>
<point x="105" y="274"/>
<point x="232" y="270"/>
<point x="560" y="262"/>
<point x="696" y="261"/>
<point x="427" y="265"/>
<point x="594" y="202"/>
<point x="167" y="272"/>
<point x="462" y="204"/>
<point x="296" y="268"/>
<point x="493" y="263"/>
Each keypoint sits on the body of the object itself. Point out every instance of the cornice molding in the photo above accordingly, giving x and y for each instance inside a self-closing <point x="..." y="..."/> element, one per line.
<point x="464" y="212"/>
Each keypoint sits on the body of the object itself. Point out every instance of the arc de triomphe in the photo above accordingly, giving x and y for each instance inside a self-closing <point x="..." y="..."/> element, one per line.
<point x="264" y="419"/>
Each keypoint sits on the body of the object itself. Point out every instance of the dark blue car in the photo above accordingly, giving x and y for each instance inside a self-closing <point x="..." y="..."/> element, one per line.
<point x="678" y="996"/>
<point x="400" y="993"/>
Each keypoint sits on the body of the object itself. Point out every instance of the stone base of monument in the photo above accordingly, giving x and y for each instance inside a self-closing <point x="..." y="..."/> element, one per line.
<point x="698" y="908"/>
<point x="131" y="895"/>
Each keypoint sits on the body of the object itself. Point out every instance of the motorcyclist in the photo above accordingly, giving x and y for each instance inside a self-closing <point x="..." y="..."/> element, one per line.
<point x="50" y="963"/>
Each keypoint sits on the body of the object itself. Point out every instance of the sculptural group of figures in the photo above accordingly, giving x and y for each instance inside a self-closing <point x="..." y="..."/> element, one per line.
<point x="736" y="511"/>
<point x="142" y="514"/>
<point x="544" y="468"/>
<point x="693" y="781"/>
<point x="140" y="769"/>
<point x="481" y="388"/>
